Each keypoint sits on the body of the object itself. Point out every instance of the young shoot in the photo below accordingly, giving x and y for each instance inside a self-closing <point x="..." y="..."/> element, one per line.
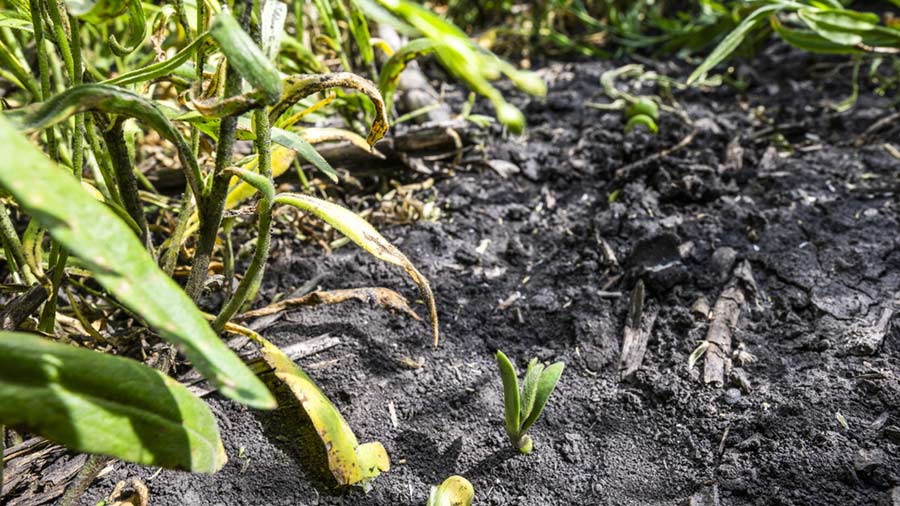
<point x="455" y="491"/>
<point x="522" y="407"/>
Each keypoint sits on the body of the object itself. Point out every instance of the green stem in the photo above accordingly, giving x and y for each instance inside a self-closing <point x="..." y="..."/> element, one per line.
<point x="213" y="206"/>
<point x="128" y="188"/>
<point x="11" y="240"/>
<point x="104" y="163"/>
<point x="257" y="267"/>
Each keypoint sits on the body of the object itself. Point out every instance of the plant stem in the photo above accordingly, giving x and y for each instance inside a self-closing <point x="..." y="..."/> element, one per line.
<point x="83" y="479"/>
<point x="128" y="188"/>
<point x="11" y="241"/>
<point x="257" y="266"/>
<point x="213" y="206"/>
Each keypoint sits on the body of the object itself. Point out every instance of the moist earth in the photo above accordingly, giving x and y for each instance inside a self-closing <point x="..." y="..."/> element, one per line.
<point x="542" y="262"/>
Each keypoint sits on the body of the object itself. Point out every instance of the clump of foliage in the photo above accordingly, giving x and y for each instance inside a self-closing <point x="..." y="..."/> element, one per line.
<point x="104" y="259"/>
<point x="454" y="491"/>
<point x="523" y="407"/>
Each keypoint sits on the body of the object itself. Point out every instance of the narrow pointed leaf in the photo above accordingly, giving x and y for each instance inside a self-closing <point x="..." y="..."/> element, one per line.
<point x="91" y="231"/>
<point x="510" y="394"/>
<point x="245" y="56"/>
<point x="389" y="78"/>
<point x="363" y="234"/>
<point x="98" y="403"/>
<point x="546" y="385"/>
<point x="731" y="42"/>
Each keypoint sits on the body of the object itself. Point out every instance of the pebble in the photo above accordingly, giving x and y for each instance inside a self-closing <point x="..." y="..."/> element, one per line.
<point x="732" y="396"/>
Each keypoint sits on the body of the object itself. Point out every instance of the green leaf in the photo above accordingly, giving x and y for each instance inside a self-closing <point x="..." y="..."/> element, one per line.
<point x="245" y="56"/>
<point x="162" y="68"/>
<point x="546" y="385"/>
<point x="359" y="27"/>
<point x="120" y="264"/>
<point x="644" y="106"/>
<point x="365" y="236"/>
<point x="15" y="21"/>
<point x="808" y="40"/>
<point x="732" y="41"/>
<point x="97" y="403"/>
<point x="839" y="27"/>
<point x="511" y="403"/>
<point x="138" y="30"/>
<point x="96" y="11"/>
<point x="529" y="387"/>
<point x="306" y="151"/>
<point x="350" y="463"/>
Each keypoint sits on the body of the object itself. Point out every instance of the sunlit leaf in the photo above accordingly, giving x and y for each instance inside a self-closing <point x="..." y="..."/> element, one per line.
<point x="511" y="404"/>
<point x="120" y="264"/>
<point x="454" y="491"/>
<point x="98" y="403"/>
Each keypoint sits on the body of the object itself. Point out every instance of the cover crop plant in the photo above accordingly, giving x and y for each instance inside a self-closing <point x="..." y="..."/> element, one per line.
<point x="94" y="250"/>
<point x="523" y="407"/>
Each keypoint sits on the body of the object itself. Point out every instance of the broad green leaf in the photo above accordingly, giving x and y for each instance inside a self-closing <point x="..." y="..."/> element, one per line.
<point x="511" y="403"/>
<point x="98" y="403"/>
<point x="349" y="462"/>
<point x="300" y="86"/>
<point x="546" y="385"/>
<point x="529" y="387"/>
<point x="119" y="262"/>
<point x="247" y="57"/>
<point x="454" y="491"/>
<point x="732" y="41"/>
<point x="363" y="234"/>
<point x="389" y="78"/>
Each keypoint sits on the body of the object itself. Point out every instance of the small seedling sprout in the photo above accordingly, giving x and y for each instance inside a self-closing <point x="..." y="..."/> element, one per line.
<point x="523" y="407"/>
<point x="455" y="491"/>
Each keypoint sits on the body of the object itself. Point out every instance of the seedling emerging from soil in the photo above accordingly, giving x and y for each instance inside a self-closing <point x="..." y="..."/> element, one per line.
<point x="455" y="491"/>
<point x="643" y="112"/>
<point x="523" y="408"/>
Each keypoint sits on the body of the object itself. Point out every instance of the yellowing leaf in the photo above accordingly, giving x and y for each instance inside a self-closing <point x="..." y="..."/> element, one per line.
<point x="365" y="236"/>
<point x="349" y="462"/>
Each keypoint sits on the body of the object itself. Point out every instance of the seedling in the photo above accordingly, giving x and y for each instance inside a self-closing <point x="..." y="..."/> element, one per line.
<point x="523" y="407"/>
<point x="455" y="491"/>
<point x="642" y="112"/>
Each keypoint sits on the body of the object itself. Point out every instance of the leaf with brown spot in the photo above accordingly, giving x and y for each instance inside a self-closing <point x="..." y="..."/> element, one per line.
<point x="363" y="234"/>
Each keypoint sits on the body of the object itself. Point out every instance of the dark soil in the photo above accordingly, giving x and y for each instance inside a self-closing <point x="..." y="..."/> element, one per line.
<point x="817" y="225"/>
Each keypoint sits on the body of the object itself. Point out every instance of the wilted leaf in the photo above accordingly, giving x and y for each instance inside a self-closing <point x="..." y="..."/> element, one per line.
<point x="389" y="77"/>
<point x="120" y="264"/>
<point x="350" y="462"/>
<point x="363" y="234"/>
<point x="301" y="86"/>
<point x="98" y="403"/>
